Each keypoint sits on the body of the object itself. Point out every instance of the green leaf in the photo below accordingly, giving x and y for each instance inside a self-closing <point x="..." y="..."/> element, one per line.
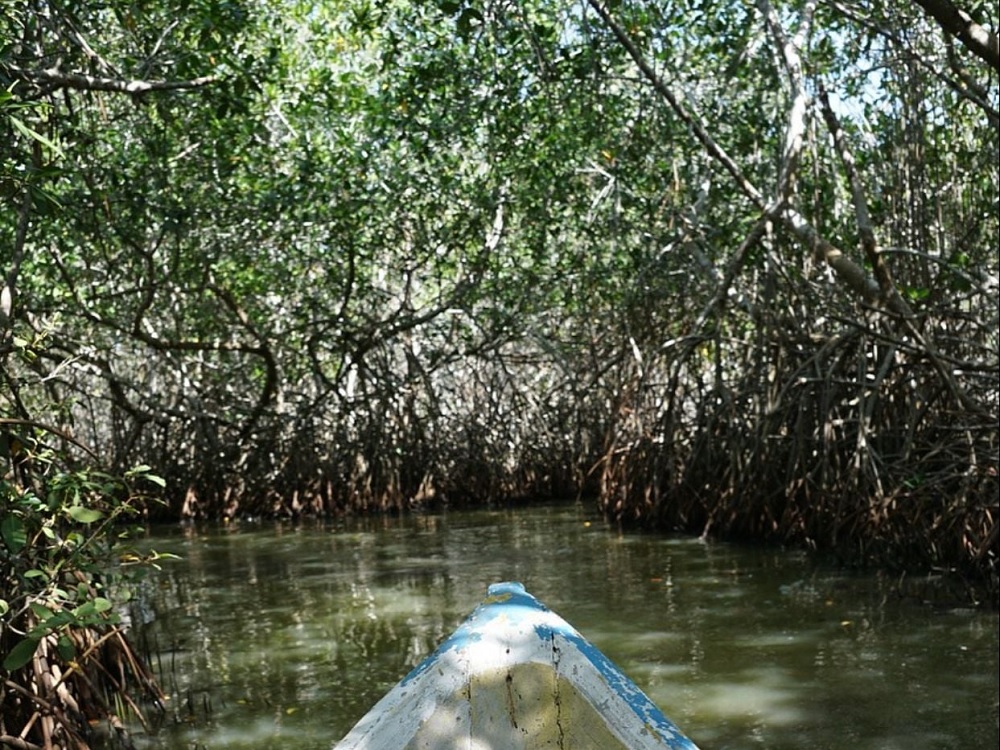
<point x="87" y="609"/>
<point x="158" y="481"/>
<point x="26" y="131"/>
<point x="92" y="608"/>
<point x="163" y="555"/>
<point x="21" y="654"/>
<point x="41" y="611"/>
<point x="13" y="533"/>
<point x="54" y="622"/>
<point x="66" y="648"/>
<point x="4" y="607"/>
<point x="142" y="471"/>
<point x="84" y="515"/>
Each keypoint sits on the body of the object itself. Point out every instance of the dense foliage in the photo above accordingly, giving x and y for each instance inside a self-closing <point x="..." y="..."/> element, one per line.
<point x="344" y="255"/>
<point x="729" y="268"/>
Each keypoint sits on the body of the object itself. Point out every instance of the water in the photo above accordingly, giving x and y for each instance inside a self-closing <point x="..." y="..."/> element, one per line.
<point x="283" y="636"/>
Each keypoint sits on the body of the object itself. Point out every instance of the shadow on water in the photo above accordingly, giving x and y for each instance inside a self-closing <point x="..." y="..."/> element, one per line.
<point x="284" y="636"/>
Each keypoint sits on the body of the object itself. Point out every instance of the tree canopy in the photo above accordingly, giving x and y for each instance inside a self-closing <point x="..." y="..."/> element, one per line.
<point x="728" y="267"/>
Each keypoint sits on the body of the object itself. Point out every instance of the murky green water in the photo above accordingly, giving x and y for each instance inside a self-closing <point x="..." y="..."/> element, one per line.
<point x="283" y="636"/>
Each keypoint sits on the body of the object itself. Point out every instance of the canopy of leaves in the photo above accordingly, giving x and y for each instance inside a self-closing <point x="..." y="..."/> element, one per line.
<point x="310" y="256"/>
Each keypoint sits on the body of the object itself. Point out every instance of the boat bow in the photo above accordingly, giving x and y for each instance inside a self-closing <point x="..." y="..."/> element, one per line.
<point x="515" y="676"/>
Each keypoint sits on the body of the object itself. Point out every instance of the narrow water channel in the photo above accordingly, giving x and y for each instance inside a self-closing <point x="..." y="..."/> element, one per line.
<point x="282" y="636"/>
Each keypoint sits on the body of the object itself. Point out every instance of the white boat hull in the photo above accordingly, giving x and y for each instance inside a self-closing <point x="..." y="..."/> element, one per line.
<point x="515" y="676"/>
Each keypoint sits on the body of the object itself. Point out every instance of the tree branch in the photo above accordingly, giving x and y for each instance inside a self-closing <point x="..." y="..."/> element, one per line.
<point x="81" y="82"/>
<point x="958" y="23"/>
<point x="270" y="389"/>
<point x="964" y="85"/>
<point x="795" y="133"/>
<point x="849" y="272"/>
<point x="8" y="295"/>
<point x="866" y="229"/>
<point x="713" y="148"/>
<point x="16" y="742"/>
<point x="11" y="421"/>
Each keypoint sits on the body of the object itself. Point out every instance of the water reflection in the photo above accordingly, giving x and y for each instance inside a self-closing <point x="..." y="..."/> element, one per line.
<point x="280" y="636"/>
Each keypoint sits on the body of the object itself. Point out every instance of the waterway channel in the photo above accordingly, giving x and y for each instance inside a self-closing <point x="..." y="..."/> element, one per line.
<point x="283" y="635"/>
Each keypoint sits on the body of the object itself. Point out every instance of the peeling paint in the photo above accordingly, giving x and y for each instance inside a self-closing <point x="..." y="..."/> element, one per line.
<point x="486" y="686"/>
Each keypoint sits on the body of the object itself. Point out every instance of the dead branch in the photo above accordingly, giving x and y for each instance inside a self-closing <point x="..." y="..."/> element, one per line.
<point x="61" y="80"/>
